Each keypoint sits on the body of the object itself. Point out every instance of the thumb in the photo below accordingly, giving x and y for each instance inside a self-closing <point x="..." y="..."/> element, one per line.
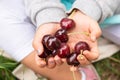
<point x="95" y="31"/>
<point x="40" y="33"/>
<point x="95" y="34"/>
<point x="38" y="46"/>
<point x="37" y="42"/>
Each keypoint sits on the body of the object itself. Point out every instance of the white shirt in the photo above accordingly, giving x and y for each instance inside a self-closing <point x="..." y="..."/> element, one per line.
<point x="16" y="31"/>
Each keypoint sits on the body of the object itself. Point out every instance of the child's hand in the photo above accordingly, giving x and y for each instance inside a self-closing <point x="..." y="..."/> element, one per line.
<point x="49" y="28"/>
<point x="85" y="25"/>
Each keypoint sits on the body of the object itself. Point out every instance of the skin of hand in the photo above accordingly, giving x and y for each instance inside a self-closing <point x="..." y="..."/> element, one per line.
<point x="47" y="28"/>
<point x="85" y="24"/>
<point x="57" y="73"/>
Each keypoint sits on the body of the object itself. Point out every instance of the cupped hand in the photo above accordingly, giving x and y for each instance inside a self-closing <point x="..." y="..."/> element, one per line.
<point x="88" y="30"/>
<point x="50" y="62"/>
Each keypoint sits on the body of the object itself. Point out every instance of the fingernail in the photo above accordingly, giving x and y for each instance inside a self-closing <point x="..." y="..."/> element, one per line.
<point x="51" y="62"/>
<point x="38" y="51"/>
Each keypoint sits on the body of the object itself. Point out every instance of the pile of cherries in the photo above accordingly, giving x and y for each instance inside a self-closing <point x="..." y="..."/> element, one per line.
<point x="57" y="44"/>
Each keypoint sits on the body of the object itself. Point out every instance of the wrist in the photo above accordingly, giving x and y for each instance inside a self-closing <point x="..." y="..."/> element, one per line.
<point x="77" y="14"/>
<point x="74" y="13"/>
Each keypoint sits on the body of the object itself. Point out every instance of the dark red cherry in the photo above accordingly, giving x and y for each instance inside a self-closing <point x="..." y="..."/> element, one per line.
<point x="67" y="23"/>
<point x="45" y="38"/>
<point x="72" y="59"/>
<point x="55" y="52"/>
<point x="81" y="46"/>
<point x="53" y="43"/>
<point x="46" y="53"/>
<point x="61" y="34"/>
<point x="63" y="51"/>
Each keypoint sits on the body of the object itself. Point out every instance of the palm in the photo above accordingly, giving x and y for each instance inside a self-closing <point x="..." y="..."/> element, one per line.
<point x="82" y="32"/>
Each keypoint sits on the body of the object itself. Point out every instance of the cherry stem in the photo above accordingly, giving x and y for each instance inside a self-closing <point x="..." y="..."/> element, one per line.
<point x="81" y="55"/>
<point x="81" y="52"/>
<point x="73" y="33"/>
<point x="73" y="69"/>
<point x="74" y="77"/>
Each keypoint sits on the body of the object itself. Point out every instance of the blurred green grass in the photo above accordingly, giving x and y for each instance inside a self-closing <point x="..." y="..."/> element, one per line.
<point x="108" y="69"/>
<point x="6" y="67"/>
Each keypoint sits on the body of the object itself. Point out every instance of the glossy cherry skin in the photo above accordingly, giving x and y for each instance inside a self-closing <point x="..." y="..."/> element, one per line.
<point x="81" y="46"/>
<point x="45" y="39"/>
<point x="61" y="34"/>
<point x="72" y="59"/>
<point x="53" y="43"/>
<point x="63" y="51"/>
<point x="67" y="23"/>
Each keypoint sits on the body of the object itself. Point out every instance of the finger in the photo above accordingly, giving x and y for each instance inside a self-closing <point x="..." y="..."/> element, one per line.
<point x="51" y="63"/>
<point x="95" y="31"/>
<point x="91" y="55"/>
<point x="39" y="61"/>
<point x="37" y="44"/>
<point x="63" y="60"/>
<point x="58" y="60"/>
<point x="83" y="61"/>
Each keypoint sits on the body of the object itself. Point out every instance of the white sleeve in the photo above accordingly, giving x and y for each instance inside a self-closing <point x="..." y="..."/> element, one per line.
<point x="16" y="32"/>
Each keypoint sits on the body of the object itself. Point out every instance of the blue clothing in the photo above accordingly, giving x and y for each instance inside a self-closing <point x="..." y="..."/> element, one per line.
<point x="111" y="20"/>
<point x="67" y="3"/>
